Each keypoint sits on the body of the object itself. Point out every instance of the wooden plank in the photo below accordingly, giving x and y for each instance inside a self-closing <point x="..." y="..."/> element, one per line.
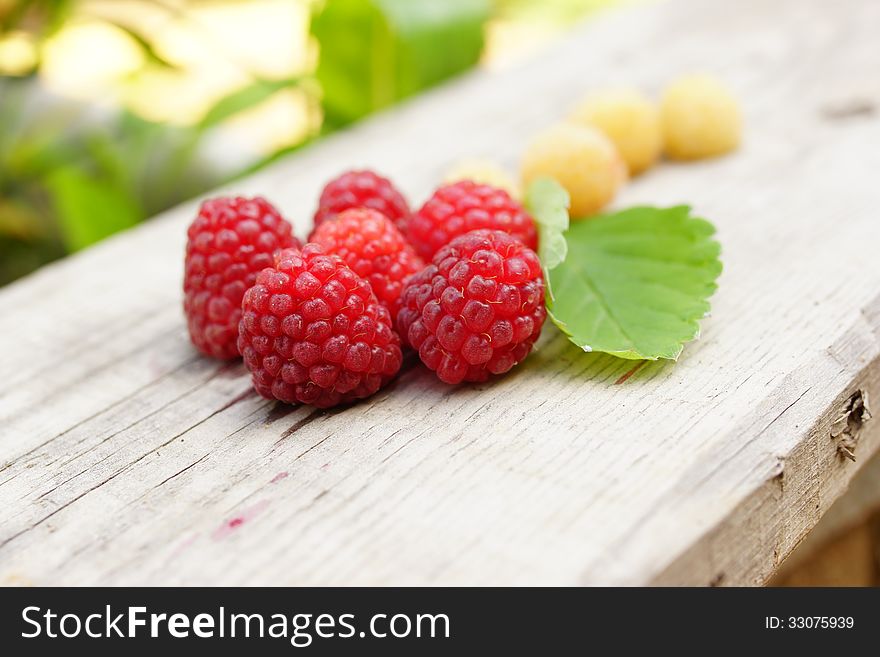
<point x="848" y="523"/>
<point x="127" y="459"/>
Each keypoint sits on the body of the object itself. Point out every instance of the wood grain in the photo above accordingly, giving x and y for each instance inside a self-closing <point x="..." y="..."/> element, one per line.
<point x="127" y="459"/>
<point x="850" y="521"/>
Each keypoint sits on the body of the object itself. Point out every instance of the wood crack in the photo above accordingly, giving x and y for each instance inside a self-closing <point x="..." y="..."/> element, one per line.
<point x="180" y="472"/>
<point x="104" y="411"/>
<point x="121" y="470"/>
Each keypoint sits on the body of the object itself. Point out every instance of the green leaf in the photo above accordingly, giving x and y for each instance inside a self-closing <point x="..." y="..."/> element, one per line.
<point x="89" y="209"/>
<point x="376" y="52"/>
<point x="635" y="284"/>
<point x="243" y="99"/>
<point x="547" y="202"/>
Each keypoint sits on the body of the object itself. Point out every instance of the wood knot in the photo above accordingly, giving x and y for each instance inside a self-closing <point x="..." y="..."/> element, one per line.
<point x="848" y="425"/>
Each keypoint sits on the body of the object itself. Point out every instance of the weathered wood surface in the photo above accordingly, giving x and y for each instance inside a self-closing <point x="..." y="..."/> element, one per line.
<point x="127" y="459"/>
<point x="851" y="514"/>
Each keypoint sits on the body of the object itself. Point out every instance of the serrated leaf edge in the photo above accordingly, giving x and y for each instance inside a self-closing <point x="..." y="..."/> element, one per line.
<point x="631" y="354"/>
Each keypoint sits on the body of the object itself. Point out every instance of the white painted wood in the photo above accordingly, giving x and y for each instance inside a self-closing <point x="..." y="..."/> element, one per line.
<point x="127" y="459"/>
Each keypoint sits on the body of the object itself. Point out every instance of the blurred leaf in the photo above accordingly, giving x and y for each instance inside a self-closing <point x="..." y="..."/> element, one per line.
<point x="37" y="156"/>
<point x="19" y="221"/>
<point x="111" y="157"/>
<point x="157" y="165"/>
<point x="40" y="17"/>
<point x="89" y="209"/>
<point x="375" y="52"/>
<point x="20" y="257"/>
<point x="243" y="99"/>
<point x="147" y="48"/>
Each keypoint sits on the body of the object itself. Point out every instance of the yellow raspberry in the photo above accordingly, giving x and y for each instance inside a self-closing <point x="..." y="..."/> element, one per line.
<point x="629" y="120"/>
<point x="700" y="118"/>
<point x="582" y="160"/>
<point x="484" y="172"/>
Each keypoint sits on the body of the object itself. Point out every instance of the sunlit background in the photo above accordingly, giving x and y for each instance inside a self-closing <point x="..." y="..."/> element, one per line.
<point x="114" y="110"/>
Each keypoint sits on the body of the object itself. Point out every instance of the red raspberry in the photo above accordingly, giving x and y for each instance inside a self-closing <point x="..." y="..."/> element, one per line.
<point x="464" y="206"/>
<point x="373" y="247"/>
<point x="363" y="189"/>
<point x="313" y="332"/>
<point x="478" y="309"/>
<point x="229" y="241"/>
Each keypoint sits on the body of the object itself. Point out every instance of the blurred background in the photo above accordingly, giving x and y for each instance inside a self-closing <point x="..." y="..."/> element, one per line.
<point x="114" y="110"/>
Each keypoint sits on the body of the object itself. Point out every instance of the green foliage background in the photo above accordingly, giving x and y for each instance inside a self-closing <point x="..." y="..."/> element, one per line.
<point x="66" y="182"/>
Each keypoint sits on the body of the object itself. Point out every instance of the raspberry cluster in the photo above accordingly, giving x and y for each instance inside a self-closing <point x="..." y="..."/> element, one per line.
<point x="229" y="242"/>
<point x="325" y="323"/>
<point x="318" y="324"/>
